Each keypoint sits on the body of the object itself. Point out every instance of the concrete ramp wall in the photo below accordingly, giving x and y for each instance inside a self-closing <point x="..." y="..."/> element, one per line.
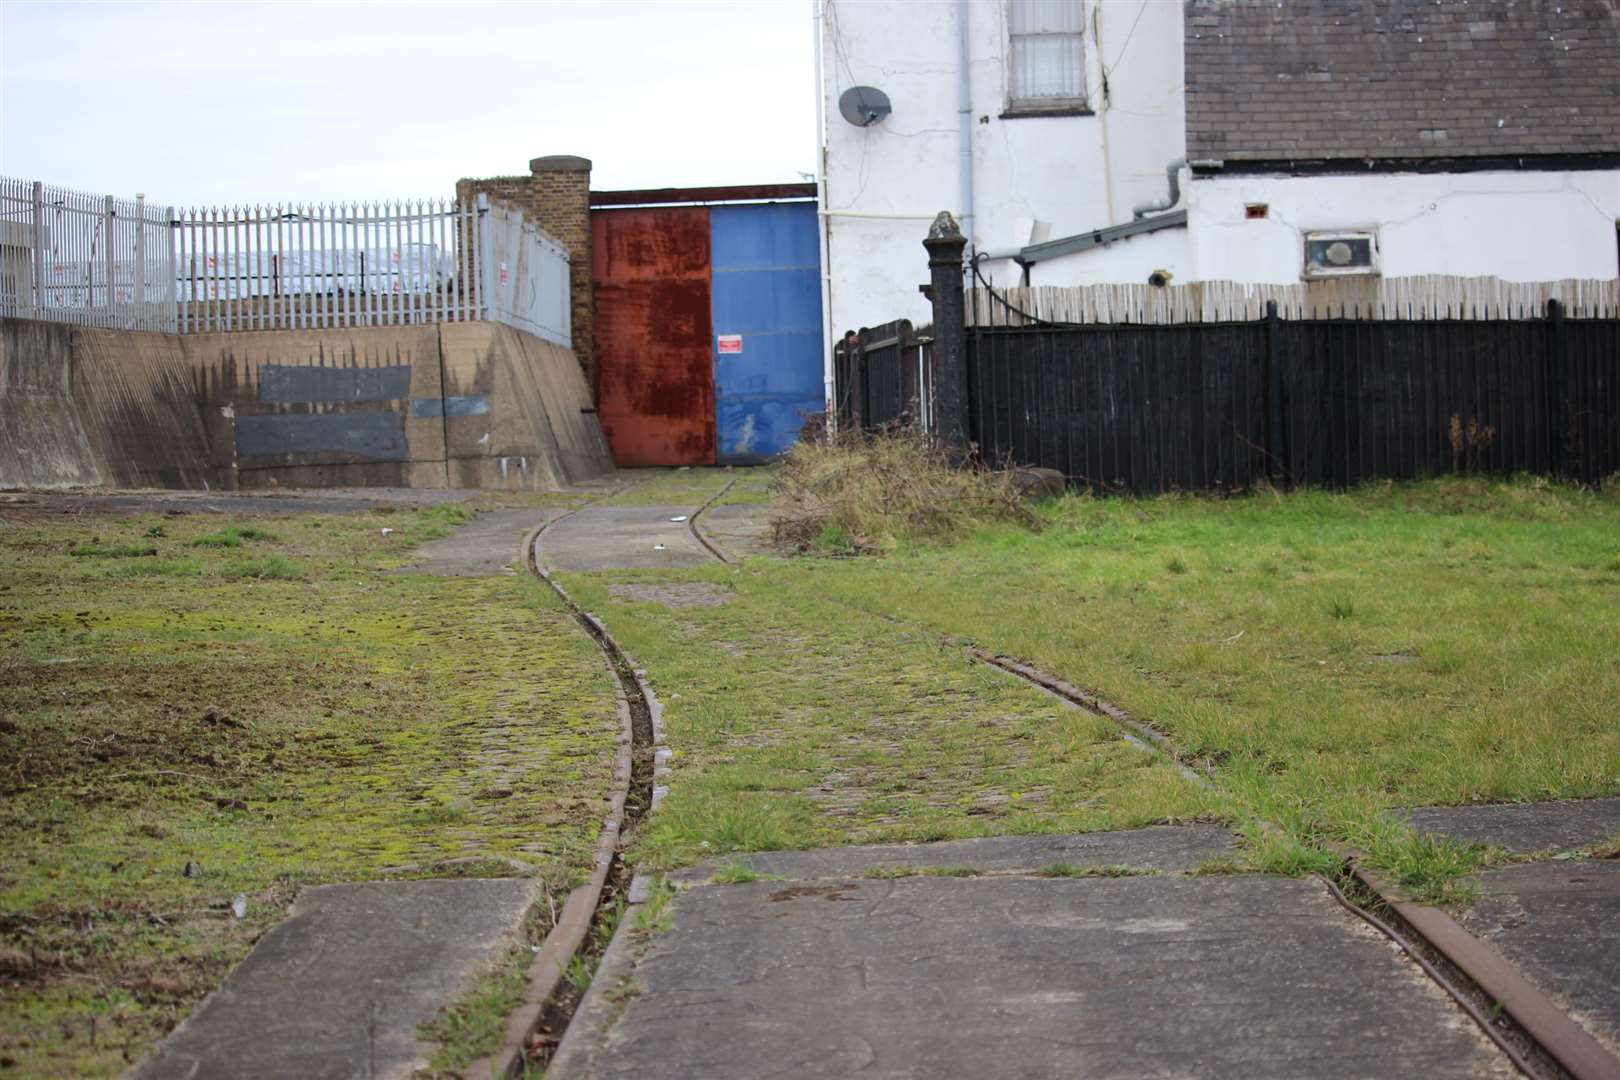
<point x="517" y="411"/>
<point x="86" y="408"/>
<point x="464" y="405"/>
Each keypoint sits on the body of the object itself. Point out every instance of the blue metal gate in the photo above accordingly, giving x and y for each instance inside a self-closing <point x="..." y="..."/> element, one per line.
<point x="766" y="302"/>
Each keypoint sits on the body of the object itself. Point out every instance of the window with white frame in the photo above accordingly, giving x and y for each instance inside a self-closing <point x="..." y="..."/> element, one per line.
<point x="1046" y="62"/>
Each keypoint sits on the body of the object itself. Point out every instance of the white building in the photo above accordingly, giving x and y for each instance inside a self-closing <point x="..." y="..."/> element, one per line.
<point x="1459" y="137"/>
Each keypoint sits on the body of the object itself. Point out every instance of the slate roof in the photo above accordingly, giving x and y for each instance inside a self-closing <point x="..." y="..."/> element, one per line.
<point x="1290" y="80"/>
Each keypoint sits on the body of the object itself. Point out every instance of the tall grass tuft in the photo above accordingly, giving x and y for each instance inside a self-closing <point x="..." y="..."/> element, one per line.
<point x="857" y="493"/>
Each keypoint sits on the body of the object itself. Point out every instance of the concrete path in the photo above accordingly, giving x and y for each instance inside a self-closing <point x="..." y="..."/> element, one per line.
<point x="1012" y="975"/>
<point x="484" y="547"/>
<point x="338" y="989"/>
<point x="1524" y="827"/>
<point x="623" y="538"/>
<point x="1556" y="919"/>
<point x="1559" y="922"/>
<point x="618" y="537"/>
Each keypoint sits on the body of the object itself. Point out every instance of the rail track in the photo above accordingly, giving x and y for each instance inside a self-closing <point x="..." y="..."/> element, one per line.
<point x="636" y="760"/>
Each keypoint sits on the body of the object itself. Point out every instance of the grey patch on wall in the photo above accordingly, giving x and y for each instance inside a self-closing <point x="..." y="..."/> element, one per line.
<point x="462" y="405"/>
<point x="289" y="384"/>
<point x="371" y="436"/>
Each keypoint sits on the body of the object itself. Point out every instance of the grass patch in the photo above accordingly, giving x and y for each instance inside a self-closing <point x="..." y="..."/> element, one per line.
<point x="439" y="520"/>
<point x="656" y="914"/>
<point x="1334" y="655"/>
<point x="232" y="536"/>
<point x="736" y="873"/>
<point x="1071" y="870"/>
<point x="269" y="568"/>
<point x="956" y="871"/>
<point x="686" y="488"/>
<point x="95" y="548"/>
<point x="178" y="736"/>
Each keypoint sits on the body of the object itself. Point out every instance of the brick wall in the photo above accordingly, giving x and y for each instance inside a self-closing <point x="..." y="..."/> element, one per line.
<point x="556" y="196"/>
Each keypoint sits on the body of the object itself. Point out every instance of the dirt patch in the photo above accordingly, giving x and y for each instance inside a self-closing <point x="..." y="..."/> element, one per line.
<point x="693" y="594"/>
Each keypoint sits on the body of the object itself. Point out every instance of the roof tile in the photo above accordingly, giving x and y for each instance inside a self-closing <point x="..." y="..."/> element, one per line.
<point x="1326" y="78"/>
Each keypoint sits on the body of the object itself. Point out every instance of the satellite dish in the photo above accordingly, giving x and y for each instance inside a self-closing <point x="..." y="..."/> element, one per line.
<point x="863" y="106"/>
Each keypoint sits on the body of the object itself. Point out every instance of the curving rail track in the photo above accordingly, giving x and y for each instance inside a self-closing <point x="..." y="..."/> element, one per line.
<point x="1531" y="1029"/>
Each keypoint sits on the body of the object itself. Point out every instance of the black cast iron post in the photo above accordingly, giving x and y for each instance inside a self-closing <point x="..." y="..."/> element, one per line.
<point x="945" y="245"/>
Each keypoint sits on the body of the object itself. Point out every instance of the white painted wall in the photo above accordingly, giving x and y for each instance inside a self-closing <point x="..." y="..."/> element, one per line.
<point x="884" y="183"/>
<point x="1518" y="226"/>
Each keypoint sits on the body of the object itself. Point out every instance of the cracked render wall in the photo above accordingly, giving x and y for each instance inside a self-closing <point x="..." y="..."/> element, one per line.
<point x="1518" y="226"/>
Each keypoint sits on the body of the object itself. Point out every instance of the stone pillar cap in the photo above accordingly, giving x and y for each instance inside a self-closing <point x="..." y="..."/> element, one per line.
<point x="559" y="163"/>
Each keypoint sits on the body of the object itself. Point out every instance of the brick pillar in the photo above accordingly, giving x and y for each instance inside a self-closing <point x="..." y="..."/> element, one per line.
<point x="557" y="197"/>
<point x="561" y="197"/>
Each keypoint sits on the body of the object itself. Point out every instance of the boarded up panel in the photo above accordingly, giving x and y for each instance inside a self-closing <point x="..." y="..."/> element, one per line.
<point x="655" y="369"/>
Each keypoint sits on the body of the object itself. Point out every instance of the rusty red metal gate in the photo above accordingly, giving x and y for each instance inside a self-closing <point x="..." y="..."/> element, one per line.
<point x="654" y="342"/>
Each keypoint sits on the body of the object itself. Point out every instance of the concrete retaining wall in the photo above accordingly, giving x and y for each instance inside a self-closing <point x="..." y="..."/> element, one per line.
<point x="464" y="405"/>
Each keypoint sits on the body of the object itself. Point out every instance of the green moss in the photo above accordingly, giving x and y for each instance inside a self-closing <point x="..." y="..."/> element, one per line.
<point x="273" y="734"/>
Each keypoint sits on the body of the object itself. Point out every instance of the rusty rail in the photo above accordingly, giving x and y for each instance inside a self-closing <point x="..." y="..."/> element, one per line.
<point x="573" y="924"/>
<point x="1537" y="1018"/>
<point x="697" y="534"/>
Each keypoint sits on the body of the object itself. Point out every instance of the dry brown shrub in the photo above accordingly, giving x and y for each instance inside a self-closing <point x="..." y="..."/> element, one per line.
<point x="856" y="492"/>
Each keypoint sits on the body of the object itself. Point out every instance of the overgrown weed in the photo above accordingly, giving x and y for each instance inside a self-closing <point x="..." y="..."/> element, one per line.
<point x="856" y="493"/>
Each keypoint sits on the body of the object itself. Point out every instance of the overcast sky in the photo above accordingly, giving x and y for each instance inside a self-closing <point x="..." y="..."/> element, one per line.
<point x="220" y="101"/>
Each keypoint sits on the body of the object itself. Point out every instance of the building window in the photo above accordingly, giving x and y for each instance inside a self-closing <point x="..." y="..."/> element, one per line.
<point x="1047" y="55"/>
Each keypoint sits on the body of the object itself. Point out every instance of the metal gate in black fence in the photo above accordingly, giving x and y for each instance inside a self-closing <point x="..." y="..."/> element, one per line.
<point x="884" y="377"/>
<point x="1331" y="402"/>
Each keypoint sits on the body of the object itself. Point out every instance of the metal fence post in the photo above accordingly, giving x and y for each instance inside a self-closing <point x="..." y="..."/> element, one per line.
<point x="861" y="372"/>
<point x="39" y="249"/>
<point x="482" y="251"/>
<point x="1558" y="389"/>
<point x="1276" y="435"/>
<point x="171" y="272"/>
<point x="945" y="245"/>
<point x="139" y="289"/>
<point x="107" y="249"/>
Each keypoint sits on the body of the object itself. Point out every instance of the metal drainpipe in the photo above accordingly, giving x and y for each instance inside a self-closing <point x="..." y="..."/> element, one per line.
<point x="1173" y="171"/>
<point x="828" y="377"/>
<point x="964" y="107"/>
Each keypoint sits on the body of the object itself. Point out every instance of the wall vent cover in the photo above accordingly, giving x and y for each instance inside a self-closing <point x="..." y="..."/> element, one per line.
<point x="1341" y="254"/>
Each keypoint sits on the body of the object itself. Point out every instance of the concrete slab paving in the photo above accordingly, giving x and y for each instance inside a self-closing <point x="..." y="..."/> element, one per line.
<point x="623" y="538"/>
<point x="1235" y="976"/>
<point x="486" y="546"/>
<point x="1524" y="827"/>
<point x="1164" y="848"/>
<point x="337" y="989"/>
<point x="1559" y="922"/>
<point x="739" y="528"/>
